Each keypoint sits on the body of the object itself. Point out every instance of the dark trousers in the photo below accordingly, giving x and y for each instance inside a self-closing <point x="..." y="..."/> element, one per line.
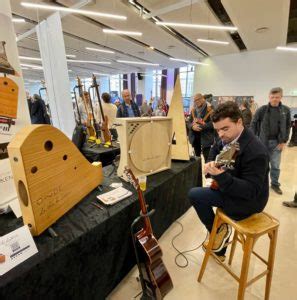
<point x="203" y="201"/>
<point x="197" y="148"/>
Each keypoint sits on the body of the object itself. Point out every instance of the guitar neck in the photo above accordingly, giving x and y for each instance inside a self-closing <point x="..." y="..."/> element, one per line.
<point x="147" y="222"/>
<point x="96" y="86"/>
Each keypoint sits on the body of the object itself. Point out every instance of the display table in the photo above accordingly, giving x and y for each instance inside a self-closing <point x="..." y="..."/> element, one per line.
<point x="100" y="153"/>
<point x="93" y="250"/>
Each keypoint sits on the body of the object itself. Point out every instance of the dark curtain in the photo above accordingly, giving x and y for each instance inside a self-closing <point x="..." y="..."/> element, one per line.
<point x="176" y="73"/>
<point x="163" y="85"/>
<point x="125" y="82"/>
<point x="133" y="88"/>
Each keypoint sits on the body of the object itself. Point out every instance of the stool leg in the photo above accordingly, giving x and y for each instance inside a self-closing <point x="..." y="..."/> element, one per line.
<point x="215" y="226"/>
<point x="272" y="247"/>
<point x="248" y="248"/>
<point x="233" y="246"/>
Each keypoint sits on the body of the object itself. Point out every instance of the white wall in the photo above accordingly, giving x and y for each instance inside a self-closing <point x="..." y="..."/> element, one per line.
<point x="249" y="73"/>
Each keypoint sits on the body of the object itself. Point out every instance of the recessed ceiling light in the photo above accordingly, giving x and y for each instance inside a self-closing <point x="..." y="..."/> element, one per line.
<point x="37" y="67"/>
<point x="100" y="50"/>
<point x="198" y="26"/>
<point x="73" y="10"/>
<point x="213" y="41"/>
<point x="125" y="32"/>
<point x="136" y="62"/>
<point x="89" y="61"/>
<point x="189" y="61"/>
<point x="151" y="47"/>
<point x="292" y="49"/>
<point x="29" y="58"/>
<point x="18" y="20"/>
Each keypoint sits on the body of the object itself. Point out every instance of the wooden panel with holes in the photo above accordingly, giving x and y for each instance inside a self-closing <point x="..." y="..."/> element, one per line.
<point x="8" y="98"/>
<point x="50" y="175"/>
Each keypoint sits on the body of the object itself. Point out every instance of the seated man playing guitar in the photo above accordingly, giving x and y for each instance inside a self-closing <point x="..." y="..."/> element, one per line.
<point x="242" y="189"/>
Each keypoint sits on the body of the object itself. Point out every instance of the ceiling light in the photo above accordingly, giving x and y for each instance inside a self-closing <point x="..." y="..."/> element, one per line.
<point x="111" y="31"/>
<point x="188" y="61"/>
<point x="18" y="20"/>
<point x="198" y="26"/>
<point x="99" y="50"/>
<point x="213" y="41"/>
<point x="292" y="49"/>
<point x="136" y="62"/>
<point x="30" y="58"/>
<point x="101" y="74"/>
<point x="70" y="71"/>
<point x="24" y="68"/>
<point x="70" y="55"/>
<point x="151" y="47"/>
<point x="89" y="62"/>
<point x="73" y="10"/>
<point x="37" y="67"/>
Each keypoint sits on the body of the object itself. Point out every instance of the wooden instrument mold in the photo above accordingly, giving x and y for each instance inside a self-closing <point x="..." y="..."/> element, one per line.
<point x="50" y="175"/>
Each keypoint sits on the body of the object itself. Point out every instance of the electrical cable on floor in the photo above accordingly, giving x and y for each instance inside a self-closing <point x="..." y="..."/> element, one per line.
<point x="182" y="253"/>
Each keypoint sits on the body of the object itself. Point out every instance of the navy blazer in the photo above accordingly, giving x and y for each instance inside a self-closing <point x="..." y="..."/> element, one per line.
<point x="245" y="189"/>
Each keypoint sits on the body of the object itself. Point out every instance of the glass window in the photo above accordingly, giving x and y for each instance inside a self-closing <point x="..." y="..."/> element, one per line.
<point x="187" y="83"/>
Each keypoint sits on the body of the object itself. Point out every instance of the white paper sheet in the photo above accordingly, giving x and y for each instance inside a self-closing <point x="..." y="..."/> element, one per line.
<point x="17" y="246"/>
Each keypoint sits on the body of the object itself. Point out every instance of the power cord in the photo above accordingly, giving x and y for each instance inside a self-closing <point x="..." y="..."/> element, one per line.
<point x="182" y="253"/>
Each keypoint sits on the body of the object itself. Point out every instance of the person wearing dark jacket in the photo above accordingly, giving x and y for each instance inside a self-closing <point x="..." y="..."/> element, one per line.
<point x="201" y="132"/>
<point x="271" y="123"/>
<point x="243" y="190"/>
<point x="246" y="114"/>
<point x="38" y="111"/>
<point x="128" y="109"/>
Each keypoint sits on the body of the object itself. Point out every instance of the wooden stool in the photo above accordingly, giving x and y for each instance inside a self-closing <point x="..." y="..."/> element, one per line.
<point x="246" y="232"/>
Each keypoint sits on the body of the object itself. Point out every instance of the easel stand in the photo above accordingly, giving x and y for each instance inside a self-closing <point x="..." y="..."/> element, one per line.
<point x="146" y="292"/>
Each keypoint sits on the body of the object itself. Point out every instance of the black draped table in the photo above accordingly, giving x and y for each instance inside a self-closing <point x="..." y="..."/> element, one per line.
<point x="93" y="250"/>
<point x="101" y="153"/>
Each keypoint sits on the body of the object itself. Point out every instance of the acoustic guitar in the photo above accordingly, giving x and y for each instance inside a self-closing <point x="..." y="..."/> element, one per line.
<point x="156" y="276"/>
<point x="104" y="124"/>
<point x="91" y="131"/>
<point x="225" y="160"/>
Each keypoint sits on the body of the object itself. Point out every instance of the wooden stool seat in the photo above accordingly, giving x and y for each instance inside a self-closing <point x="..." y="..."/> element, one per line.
<point x="246" y="232"/>
<point x="257" y="224"/>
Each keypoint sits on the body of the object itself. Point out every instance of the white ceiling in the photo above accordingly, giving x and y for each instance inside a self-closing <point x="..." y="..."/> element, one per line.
<point x="246" y="15"/>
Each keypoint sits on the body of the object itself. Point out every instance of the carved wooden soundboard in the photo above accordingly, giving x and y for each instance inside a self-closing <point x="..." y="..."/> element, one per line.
<point x="145" y="144"/>
<point x="180" y="144"/>
<point x="50" y="174"/>
<point x="8" y="98"/>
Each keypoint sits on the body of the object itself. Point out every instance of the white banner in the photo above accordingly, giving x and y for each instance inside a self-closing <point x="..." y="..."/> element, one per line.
<point x="13" y="104"/>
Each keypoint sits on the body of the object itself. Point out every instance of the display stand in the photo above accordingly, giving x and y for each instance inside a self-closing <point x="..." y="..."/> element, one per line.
<point x="146" y="293"/>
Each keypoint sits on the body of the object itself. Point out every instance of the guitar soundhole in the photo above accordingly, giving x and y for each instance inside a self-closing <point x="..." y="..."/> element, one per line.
<point x="34" y="170"/>
<point x="48" y="146"/>
<point x="65" y="157"/>
<point x="23" y="193"/>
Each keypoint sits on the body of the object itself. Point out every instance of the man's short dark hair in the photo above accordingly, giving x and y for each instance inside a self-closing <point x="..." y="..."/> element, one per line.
<point x="225" y="110"/>
<point x="106" y="97"/>
<point x="276" y="90"/>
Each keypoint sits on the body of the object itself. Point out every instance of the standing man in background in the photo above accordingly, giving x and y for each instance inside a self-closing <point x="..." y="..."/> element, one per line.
<point x="201" y="132"/>
<point x="271" y="123"/>
<point x="128" y="109"/>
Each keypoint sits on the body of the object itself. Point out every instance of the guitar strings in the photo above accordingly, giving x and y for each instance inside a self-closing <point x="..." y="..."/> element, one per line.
<point x="182" y="253"/>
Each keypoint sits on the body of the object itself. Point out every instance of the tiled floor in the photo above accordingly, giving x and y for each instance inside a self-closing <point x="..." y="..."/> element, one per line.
<point x="217" y="283"/>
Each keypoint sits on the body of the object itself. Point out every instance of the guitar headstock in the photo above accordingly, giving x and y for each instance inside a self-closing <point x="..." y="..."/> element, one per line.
<point x="94" y="80"/>
<point x="227" y="156"/>
<point x="131" y="178"/>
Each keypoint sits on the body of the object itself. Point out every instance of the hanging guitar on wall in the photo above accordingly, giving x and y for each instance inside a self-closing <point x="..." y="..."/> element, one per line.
<point x="90" y="122"/>
<point x="155" y="278"/>
<point x="104" y="122"/>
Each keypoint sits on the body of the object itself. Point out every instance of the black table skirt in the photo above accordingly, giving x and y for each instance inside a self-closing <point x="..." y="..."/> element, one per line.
<point x="93" y="250"/>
